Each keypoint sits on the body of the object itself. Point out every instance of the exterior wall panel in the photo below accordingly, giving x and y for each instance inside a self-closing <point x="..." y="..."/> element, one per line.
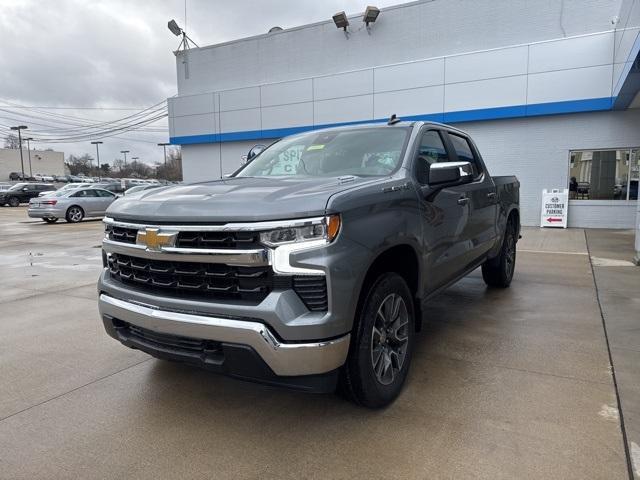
<point x="568" y="53"/>
<point x="409" y="75"/>
<point x="497" y="92"/>
<point x="408" y="102"/>
<point x="503" y="62"/>
<point x="563" y="85"/>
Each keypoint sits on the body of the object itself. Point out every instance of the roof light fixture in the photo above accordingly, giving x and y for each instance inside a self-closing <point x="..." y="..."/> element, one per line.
<point x="370" y="15"/>
<point x="341" y="20"/>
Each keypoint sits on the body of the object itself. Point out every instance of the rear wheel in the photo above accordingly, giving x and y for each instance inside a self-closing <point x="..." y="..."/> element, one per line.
<point x="50" y="220"/>
<point x="74" y="214"/>
<point x="498" y="271"/>
<point x="381" y="344"/>
<point x="14" y="201"/>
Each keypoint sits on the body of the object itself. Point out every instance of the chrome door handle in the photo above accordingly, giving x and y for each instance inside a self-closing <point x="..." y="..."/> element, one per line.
<point x="491" y="195"/>
<point x="463" y="200"/>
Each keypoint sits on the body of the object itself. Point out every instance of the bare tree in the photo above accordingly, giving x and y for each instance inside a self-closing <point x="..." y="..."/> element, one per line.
<point x="173" y="169"/>
<point x="11" y="141"/>
<point x="80" y="164"/>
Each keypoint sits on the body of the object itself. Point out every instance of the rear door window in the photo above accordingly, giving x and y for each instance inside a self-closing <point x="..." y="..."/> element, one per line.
<point x="465" y="152"/>
<point x="85" y="193"/>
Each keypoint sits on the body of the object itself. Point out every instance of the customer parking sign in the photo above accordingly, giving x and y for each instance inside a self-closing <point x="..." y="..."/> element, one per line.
<point x="555" y="204"/>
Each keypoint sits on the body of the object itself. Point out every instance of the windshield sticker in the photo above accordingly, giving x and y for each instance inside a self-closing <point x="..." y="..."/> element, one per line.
<point x="315" y="147"/>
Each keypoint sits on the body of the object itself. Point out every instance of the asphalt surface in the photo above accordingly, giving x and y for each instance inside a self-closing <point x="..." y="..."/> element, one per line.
<point x="510" y="383"/>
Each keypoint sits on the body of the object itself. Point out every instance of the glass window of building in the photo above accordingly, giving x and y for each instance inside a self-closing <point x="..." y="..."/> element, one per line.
<point x="604" y="174"/>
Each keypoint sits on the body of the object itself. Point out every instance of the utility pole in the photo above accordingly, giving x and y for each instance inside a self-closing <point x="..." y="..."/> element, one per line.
<point x="19" y="128"/>
<point x="97" y="156"/>
<point x="29" y="150"/>
<point x="125" y="156"/>
<point x="164" y="147"/>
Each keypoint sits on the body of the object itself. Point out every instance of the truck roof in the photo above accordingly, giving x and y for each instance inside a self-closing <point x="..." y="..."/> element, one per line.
<point x="384" y="124"/>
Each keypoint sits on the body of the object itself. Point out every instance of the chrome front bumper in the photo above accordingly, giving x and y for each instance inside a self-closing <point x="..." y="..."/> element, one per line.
<point x="285" y="359"/>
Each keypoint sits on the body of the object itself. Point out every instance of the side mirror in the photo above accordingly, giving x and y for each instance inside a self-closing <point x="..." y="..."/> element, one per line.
<point x="447" y="174"/>
<point x="254" y="152"/>
<point x="450" y="173"/>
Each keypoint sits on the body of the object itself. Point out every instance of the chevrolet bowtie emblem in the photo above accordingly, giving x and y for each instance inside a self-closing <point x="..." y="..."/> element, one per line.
<point x="154" y="239"/>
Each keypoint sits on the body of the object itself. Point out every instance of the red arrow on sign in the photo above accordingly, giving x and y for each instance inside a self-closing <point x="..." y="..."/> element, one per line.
<point x="553" y="219"/>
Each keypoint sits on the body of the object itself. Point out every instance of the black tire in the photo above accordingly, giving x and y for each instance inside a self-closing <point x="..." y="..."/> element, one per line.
<point x="74" y="214"/>
<point x="498" y="271"/>
<point x="50" y="220"/>
<point x="14" y="202"/>
<point x="360" y="380"/>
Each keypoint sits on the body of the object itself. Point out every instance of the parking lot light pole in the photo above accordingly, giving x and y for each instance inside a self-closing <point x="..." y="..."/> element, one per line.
<point x="637" y="257"/>
<point x="97" y="156"/>
<point x="29" y="151"/>
<point x="164" y="147"/>
<point x="125" y="156"/>
<point x="19" y="128"/>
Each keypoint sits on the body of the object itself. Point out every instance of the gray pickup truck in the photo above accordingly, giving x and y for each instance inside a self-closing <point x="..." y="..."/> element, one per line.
<point x="310" y="266"/>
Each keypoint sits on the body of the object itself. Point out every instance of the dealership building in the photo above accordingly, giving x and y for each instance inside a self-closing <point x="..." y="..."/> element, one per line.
<point x="33" y="161"/>
<point x="548" y="90"/>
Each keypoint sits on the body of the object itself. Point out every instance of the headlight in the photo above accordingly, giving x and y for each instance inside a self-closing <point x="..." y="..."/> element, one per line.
<point x="326" y="228"/>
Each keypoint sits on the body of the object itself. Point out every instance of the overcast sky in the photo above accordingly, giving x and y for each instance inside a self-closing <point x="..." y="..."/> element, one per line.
<point x="118" y="54"/>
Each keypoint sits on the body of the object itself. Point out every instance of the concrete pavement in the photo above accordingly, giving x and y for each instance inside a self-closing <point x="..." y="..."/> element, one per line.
<point x="505" y="383"/>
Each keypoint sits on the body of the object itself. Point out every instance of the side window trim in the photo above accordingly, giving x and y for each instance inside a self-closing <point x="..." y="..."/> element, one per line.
<point x="476" y="161"/>
<point x="416" y="152"/>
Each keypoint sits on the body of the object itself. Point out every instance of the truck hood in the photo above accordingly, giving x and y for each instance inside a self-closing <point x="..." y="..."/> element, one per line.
<point x="234" y="199"/>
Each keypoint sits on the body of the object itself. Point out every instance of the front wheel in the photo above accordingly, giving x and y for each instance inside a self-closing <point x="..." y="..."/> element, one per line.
<point x="382" y="344"/>
<point x="498" y="271"/>
<point x="74" y="214"/>
<point x="14" y="202"/>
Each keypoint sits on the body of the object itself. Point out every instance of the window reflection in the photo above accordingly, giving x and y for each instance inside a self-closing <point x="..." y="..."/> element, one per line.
<point x="604" y="174"/>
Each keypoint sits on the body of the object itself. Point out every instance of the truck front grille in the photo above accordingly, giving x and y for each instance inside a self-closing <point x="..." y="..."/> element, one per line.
<point x="209" y="280"/>
<point x="186" y="239"/>
<point x="238" y="240"/>
<point x="215" y="281"/>
<point x="121" y="234"/>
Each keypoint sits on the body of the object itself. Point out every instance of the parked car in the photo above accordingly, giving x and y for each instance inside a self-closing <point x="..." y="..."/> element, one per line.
<point x="311" y="264"/>
<point x="40" y="177"/>
<point x="72" y="205"/>
<point x="4" y="187"/>
<point x="22" y="192"/>
<point x="68" y="186"/>
<point x="17" y="176"/>
<point x="115" y="187"/>
<point x="61" y="178"/>
<point x="141" y="188"/>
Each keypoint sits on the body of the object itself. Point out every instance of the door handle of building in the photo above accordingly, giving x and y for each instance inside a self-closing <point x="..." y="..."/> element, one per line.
<point x="491" y="195"/>
<point x="463" y="200"/>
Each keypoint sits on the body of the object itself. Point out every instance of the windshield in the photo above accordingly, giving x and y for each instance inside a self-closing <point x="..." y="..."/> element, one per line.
<point x="361" y="152"/>
<point x="18" y="186"/>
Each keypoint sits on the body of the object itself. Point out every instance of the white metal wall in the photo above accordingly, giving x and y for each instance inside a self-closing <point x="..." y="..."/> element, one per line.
<point x="569" y="74"/>
<point x="402" y="33"/>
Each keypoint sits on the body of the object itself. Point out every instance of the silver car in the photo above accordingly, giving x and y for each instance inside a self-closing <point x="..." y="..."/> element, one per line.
<point x="72" y="205"/>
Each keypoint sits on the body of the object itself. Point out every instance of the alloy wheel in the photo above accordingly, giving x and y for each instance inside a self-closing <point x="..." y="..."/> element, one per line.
<point x="75" y="214"/>
<point x="390" y="338"/>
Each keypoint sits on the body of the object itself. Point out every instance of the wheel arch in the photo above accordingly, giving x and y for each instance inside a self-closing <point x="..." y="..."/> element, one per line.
<point x="402" y="259"/>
